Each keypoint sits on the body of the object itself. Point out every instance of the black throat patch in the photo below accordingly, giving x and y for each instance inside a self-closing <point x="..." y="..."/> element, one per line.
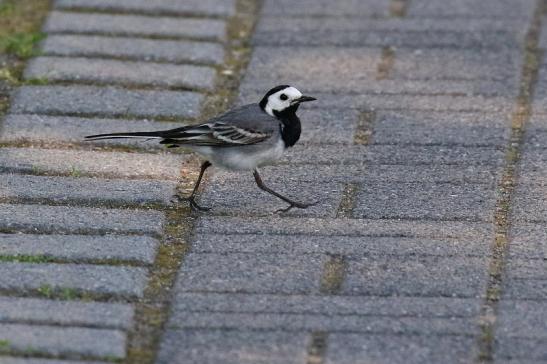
<point x="291" y="128"/>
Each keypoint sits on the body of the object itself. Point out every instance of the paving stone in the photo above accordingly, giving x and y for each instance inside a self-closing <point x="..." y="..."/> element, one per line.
<point x="370" y="173"/>
<point x="399" y="102"/>
<point x="535" y="134"/>
<point x="102" y="279"/>
<point x="520" y="349"/>
<point x="543" y="34"/>
<point x="122" y="72"/>
<point x="342" y="227"/>
<point x="64" y="340"/>
<point x="241" y="347"/>
<point x="134" y="25"/>
<point x="12" y="360"/>
<point x="358" y="348"/>
<point x="272" y="273"/>
<point x="106" y="101"/>
<point x="524" y="319"/>
<point x="478" y="87"/>
<point x="463" y="33"/>
<point x="179" y="51"/>
<point x="342" y="8"/>
<point x="41" y="128"/>
<point x="425" y="201"/>
<point x="521" y="288"/>
<point x="473" y="129"/>
<point x="81" y="247"/>
<point x="81" y="190"/>
<point x="529" y="202"/>
<point x="451" y="64"/>
<point x="67" y="219"/>
<point x="417" y="276"/>
<point x="342" y="245"/>
<point x="328" y="126"/>
<point x="327" y="305"/>
<point x="188" y="7"/>
<point x="533" y="164"/>
<point x="107" y="164"/>
<point x="393" y="154"/>
<point x="350" y="67"/>
<point x="243" y="196"/>
<point x="528" y="240"/>
<point x="526" y="269"/>
<point x="470" y="8"/>
<point x="73" y="313"/>
<point x="539" y="103"/>
<point x="330" y="323"/>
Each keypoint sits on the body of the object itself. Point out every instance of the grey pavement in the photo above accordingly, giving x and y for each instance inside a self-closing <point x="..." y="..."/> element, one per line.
<point x="407" y="151"/>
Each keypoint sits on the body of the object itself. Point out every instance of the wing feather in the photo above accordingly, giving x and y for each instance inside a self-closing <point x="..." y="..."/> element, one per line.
<point x="214" y="134"/>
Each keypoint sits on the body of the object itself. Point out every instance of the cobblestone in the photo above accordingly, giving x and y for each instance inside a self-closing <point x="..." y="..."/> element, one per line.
<point x="12" y="360"/>
<point x="194" y="7"/>
<point x="327" y="305"/>
<point x="423" y="276"/>
<point x="272" y="273"/>
<point x="120" y="72"/>
<point x="244" y="196"/>
<point x="134" y="25"/>
<point x="110" y="164"/>
<point x="470" y="129"/>
<point x="425" y="201"/>
<point x="81" y="247"/>
<point x="469" y="8"/>
<point x="49" y="312"/>
<point x="64" y="340"/>
<point x="122" y="281"/>
<point x="18" y="128"/>
<point x="394" y="154"/>
<point x="68" y="219"/>
<point x="415" y="33"/>
<point x="345" y="227"/>
<point x="308" y="8"/>
<point x="179" y="51"/>
<point x="354" y="348"/>
<point x="73" y="190"/>
<point x="330" y="323"/>
<point x="240" y="347"/>
<point x="105" y="101"/>
<point x="338" y="245"/>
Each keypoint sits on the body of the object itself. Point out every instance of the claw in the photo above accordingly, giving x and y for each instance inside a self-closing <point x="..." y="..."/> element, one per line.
<point x="193" y="204"/>
<point x="297" y="205"/>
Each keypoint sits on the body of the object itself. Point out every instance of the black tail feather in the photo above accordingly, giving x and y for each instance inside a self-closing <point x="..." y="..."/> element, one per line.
<point x="144" y="134"/>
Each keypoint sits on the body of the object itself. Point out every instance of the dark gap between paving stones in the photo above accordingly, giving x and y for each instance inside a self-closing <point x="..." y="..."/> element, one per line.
<point x="500" y="245"/>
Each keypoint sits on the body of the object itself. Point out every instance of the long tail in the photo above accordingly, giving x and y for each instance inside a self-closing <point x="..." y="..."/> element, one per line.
<point x="143" y="134"/>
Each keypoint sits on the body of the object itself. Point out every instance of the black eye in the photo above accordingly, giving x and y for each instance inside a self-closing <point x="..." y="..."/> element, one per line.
<point x="283" y="97"/>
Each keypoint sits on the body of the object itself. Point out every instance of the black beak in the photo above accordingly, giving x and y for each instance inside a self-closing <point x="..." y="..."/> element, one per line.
<point x="304" y="99"/>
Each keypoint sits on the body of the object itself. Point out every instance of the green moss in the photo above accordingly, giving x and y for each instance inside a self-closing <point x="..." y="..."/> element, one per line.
<point x="45" y="290"/>
<point x="25" y="258"/>
<point x="23" y="45"/>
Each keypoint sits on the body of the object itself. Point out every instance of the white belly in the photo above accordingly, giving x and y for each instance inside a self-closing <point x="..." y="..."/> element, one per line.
<point x="242" y="159"/>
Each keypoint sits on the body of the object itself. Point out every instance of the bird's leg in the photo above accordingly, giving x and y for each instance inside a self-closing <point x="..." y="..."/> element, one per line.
<point x="191" y="199"/>
<point x="291" y="203"/>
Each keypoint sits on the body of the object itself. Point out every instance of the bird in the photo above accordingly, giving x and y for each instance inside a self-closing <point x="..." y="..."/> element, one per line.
<point x="242" y="139"/>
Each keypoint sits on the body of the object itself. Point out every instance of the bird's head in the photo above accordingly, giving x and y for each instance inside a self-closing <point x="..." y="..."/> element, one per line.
<point x="282" y="99"/>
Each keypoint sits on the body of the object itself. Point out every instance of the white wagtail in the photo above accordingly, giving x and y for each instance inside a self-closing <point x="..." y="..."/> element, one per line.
<point x="242" y="139"/>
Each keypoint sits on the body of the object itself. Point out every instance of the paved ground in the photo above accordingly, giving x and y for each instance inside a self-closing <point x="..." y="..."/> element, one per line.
<point x="427" y="148"/>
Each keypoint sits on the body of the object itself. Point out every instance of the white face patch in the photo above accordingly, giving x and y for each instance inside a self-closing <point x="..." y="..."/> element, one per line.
<point x="282" y="100"/>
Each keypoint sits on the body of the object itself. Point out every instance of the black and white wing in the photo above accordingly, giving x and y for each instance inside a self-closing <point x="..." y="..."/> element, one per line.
<point x="242" y="126"/>
<point x="214" y="134"/>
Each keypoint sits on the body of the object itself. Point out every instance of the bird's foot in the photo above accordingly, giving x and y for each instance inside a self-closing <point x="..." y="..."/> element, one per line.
<point x="298" y="205"/>
<point x="192" y="201"/>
